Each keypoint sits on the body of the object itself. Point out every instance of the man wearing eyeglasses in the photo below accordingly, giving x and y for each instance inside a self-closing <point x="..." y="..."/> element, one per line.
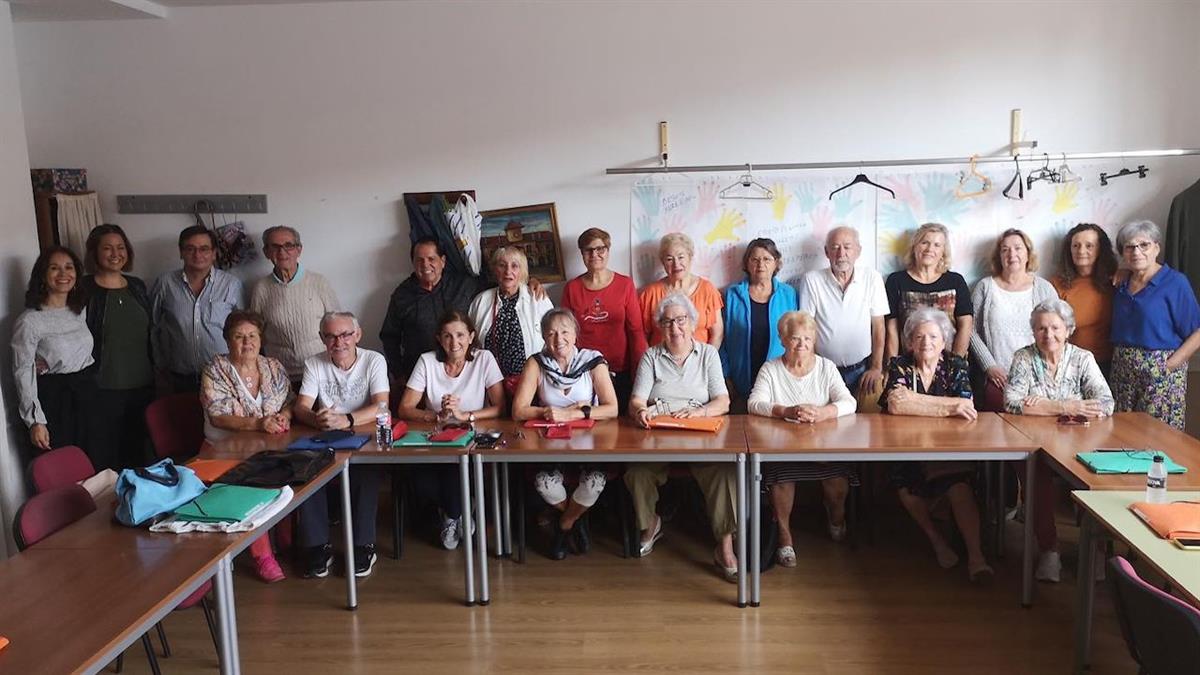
<point x="292" y="300"/>
<point x="188" y="309"/>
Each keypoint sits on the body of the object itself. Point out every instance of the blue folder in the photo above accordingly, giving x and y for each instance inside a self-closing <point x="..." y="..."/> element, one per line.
<point x="348" y="443"/>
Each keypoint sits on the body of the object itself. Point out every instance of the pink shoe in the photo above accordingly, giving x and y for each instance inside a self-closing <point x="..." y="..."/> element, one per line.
<point x="268" y="569"/>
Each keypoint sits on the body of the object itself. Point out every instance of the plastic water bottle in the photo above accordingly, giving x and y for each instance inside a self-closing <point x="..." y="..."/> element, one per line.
<point x="383" y="426"/>
<point x="1156" y="482"/>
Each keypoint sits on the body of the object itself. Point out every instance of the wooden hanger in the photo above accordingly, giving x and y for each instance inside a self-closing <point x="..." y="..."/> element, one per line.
<point x="985" y="183"/>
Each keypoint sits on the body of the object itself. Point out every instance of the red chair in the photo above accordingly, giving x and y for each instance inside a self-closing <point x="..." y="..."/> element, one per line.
<point x="60" y="467"/>
<point x="1161" y="631"/>
<point x="176" y="426"/>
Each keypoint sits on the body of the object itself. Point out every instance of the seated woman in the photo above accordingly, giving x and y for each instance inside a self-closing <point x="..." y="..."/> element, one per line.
<point x="930" y="381"/>
<point x="246" y="391"/>
<point x="507" y="317"/>
<point x="681" y="376"/>
<point x="1053" y="377"/>
<point x="458" y="383"/>
<point x="804" y="387"/>
<point x="571" y="384"/>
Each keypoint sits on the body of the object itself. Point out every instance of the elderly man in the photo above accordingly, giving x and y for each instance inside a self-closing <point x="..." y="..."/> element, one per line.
<point x="342" y="387"/>
<point x="849" y="304"/>
<point x="188" y="310"/>
<point x="292" y="300"/>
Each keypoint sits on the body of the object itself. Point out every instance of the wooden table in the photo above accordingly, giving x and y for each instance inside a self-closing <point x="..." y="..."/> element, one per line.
<point x="1109" y="509"/>
<point x="887" y="438"/>
<point x="619" y="440"/>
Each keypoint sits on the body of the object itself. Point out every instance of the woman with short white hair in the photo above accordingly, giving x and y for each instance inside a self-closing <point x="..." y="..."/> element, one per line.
<point x="676" y="252"/>
<point x="508" y="317"/>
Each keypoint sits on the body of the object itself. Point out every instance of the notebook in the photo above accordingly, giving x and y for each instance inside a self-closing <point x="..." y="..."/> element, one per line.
<point x="348" y="443"/>
<point x="420" y="439"/>
<point x="223" y="503"/>
<point x="1126" y="461"/>
<point x="711" y="424"/>
<point x="209" y="470"/>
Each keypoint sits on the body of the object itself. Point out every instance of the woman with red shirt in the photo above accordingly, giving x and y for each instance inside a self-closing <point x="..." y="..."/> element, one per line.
<point x="606" y="305"/>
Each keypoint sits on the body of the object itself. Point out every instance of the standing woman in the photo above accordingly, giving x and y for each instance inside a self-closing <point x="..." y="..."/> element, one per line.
<point x="926" y="281"/>
<point x="1158" y="332"/>
<point x="52" y="357"/>
<point x="753" y="307"/>
<point x="676" y="252"/>
<point x="1086" y="283"/>
<point x="509" y="316"/>
<point x="1003" y="303"/>
<point x="118" y="314"/>
<point x="605" y="304"/>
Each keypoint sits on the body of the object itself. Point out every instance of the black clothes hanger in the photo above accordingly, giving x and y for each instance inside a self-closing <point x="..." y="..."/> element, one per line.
<point x="1044" y="173"/>
<point x="862" y="178"/>
<point x="1016" y="181"/>
<point x="1141" y="172"/>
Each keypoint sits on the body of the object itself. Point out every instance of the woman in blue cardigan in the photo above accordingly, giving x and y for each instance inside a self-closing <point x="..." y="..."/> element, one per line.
<point x="752" y="308"/>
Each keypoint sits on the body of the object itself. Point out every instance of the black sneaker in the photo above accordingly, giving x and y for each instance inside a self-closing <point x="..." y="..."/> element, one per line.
<point x="320" y="559"/>
<point x="364" y="560"/>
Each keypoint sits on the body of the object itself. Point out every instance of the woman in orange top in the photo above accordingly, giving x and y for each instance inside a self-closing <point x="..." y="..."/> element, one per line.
<point x="676" y="252"/>
<point x="1088" y="264"/>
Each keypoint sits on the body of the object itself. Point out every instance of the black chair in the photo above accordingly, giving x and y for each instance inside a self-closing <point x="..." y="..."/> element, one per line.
<point x="1161" y="631"/>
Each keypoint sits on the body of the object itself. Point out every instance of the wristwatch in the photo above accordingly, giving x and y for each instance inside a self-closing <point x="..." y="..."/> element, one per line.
<point x="350" y="419"/>
<point x="471" y="418"/>
<point x="587" y="411"/>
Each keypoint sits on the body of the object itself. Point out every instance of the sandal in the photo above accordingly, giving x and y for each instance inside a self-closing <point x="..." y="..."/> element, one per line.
<point x="786" y="556"/>
<point x="729" y="574"/>
<point x="980" y="574"/>
<point x="645" y="547"/>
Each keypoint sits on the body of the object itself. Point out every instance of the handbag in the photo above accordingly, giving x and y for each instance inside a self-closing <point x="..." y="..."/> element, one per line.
<point x="276" y="468"/>
<point x="146" y="493"/>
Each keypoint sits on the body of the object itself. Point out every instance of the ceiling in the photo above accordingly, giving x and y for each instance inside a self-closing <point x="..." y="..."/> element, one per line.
<point x="99" y="10"/>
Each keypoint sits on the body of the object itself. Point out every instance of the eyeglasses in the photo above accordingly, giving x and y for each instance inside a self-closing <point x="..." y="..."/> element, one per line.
<point x="680" y="321"/>
<point x="332" y="338"/>
<point x="192" y="250"/>
<point x="1141" y="246"/>
<point x="1074" y="420"/>
<point x="276" y="248"/>
<point x="595" y="250"/>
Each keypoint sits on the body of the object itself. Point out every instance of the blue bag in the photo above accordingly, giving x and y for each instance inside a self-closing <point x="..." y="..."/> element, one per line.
<point x="143" y="494"/>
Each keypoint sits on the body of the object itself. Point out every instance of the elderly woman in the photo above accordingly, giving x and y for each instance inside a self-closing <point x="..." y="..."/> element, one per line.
<point x="675" y="252"/>
<point x="682" y="377"/>
<point x="930" y="381"/>
<point x="508" y="316"/>
<point x="752" y="307"/>
<point x="803" y="387"/>
<point x="605" y="304"/>
<point x="118" y="314"/>
<point x="1002" y="302"/>
<point x="1087" y="267"/>
<point x="570" y="384"/>
<point x="52" y="358"/>
<point x="1158" y="332"/>
<point x="246" y="391"/>
<point x="458" y="383"/>
<point x="926" y="281"/>
<point x="1053" y="377"/>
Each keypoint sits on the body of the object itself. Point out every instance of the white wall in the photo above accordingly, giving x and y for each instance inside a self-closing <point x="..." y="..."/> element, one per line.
<point x="336" y="109"/>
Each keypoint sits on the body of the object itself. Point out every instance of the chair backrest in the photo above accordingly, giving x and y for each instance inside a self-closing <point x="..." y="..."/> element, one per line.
<point x="59" y="468"/>
<point x="48" y="512"/>
<point x="1161" y="631"/>
<point x="176" y="426"/>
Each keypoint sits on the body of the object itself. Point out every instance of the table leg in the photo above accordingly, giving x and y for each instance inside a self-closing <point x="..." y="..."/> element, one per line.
<point x="998" y="478"/>
<point x="741" y="530"/>
<point x="226" y="620"/>
<point x="1027" y="554"/>
<point x="484" y="597"/>
<point x="1084" y="593"/>
<point x="755" y="497"/>
<point x="348" y="540"/>
<point x="496" y="510"/>
<point x="464" y="483"/>
<point x="506" y="504"/>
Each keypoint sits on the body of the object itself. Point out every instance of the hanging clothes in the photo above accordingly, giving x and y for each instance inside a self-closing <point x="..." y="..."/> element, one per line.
<point x="1178" y="250"/>
<point x="429" y="220"/>
<point x="465" y="222"/>
<point x="77" y="216"/>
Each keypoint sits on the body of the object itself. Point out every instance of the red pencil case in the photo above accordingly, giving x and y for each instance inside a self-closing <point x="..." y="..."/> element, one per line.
<point x="547" y="424"/>
<point x="448" y="435"/>
<point x="559" y="431"/>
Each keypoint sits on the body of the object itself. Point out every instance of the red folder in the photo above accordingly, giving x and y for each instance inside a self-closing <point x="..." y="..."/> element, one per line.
<point x="573" y="424"/>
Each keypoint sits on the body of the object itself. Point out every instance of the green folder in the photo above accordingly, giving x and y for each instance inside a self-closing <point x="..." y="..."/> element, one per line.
<point x="223" y="503"/>
<point x="420" y="439"/>
<point x="1126" y="461"/>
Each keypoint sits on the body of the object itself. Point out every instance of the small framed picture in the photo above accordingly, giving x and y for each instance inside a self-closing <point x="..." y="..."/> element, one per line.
<point x="534" y="229"/>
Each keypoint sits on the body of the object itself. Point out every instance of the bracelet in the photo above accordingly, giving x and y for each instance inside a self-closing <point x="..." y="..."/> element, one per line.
<point x="350" y="419"/>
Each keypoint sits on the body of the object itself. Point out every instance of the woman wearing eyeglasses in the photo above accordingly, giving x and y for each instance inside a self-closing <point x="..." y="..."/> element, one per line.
<point x="605" y="304"/>
<point x="1053" y="377"/>
<point x="682" y="377"/>
<point x="1158" y="332"/>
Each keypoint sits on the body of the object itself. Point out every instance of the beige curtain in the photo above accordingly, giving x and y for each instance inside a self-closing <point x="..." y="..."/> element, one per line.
<point x="77" y="215"/>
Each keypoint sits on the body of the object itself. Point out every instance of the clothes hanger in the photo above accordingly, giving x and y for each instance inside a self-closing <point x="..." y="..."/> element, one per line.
<point x="1044" y="173"/>
<point x="1141" y="172"/>
<point x="757" y="191"/>
<point x="1065" y="174"/>
<point x="862" y="178"/>
<point x="1016" y="181"/>
<point x="985" y="183"/>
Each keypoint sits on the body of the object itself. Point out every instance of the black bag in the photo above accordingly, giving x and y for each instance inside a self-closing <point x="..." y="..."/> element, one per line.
<point x="276" y="468"/>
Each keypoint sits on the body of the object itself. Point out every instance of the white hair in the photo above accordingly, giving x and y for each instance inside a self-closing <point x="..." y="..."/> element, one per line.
<point x="1145" y="228"/>
<point x="928" y="315"/>
<point x="330" y="316"/>
<point x="676" y="300"/>
<point x="1055" y="306"/>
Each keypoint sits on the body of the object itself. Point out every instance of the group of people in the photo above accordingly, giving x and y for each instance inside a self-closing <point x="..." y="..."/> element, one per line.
<point x="459" y="349"/>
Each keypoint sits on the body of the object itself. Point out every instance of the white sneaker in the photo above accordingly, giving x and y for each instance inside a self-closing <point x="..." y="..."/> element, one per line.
<point x="837" y="532"/>
<point x="450" y="534"/>
<point x="1049" y="567"/>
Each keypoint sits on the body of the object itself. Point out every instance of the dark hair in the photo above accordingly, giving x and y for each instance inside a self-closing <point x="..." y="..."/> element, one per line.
<point x="591" y="234"/>
<point x="423" y="241"/>
<point x="93" y="246"/>
<point x="240" y="316"/>
<point x="195" y="231"/>
<point x="1106" y="259"/>
<point x="767" y="245"/>
<point x="448" y="318"/>
<point x="37" y="291"/>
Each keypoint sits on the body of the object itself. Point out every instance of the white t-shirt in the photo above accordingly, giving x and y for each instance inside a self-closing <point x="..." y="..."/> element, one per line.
<point x="345" y="391"/>
<point x="429" y="377"/>
<point x="843" y="318"/>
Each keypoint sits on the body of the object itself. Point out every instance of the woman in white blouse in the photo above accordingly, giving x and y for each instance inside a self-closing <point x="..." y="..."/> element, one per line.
<point x="805" y="388"/>
<point x="571" y="384"/>
<point x="1002" y="304"/>
<point x="508" y="317"/>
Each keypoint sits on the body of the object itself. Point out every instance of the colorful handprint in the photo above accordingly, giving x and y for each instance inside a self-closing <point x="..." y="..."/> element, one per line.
<point x="723" y="230"/>
<point x="706" y="198"/>
<point x="1064" y="197"/>
<point x="779" y="202"/>
<point x="649" y="196"/>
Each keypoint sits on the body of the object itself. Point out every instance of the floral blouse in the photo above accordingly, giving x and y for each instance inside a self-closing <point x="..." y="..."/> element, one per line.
<point x="222" y="392"/>
<point x="1078" y="378"/>
<point x="951" y="378"/>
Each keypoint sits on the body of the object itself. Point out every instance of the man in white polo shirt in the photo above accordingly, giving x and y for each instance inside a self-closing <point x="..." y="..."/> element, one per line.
<point x="849" y="304"/>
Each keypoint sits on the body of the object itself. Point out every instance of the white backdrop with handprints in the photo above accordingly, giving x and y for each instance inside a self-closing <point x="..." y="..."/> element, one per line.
<point x="801" y="214"/>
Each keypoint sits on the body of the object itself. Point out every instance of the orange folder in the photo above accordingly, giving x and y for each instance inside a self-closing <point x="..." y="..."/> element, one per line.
<point x="710" y="424"/>
<point x="1177" y="520"/>
<point x="208" y="470"/>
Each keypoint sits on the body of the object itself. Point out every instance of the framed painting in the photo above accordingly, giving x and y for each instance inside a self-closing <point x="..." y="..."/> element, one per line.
<point x="532" y="228"/>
